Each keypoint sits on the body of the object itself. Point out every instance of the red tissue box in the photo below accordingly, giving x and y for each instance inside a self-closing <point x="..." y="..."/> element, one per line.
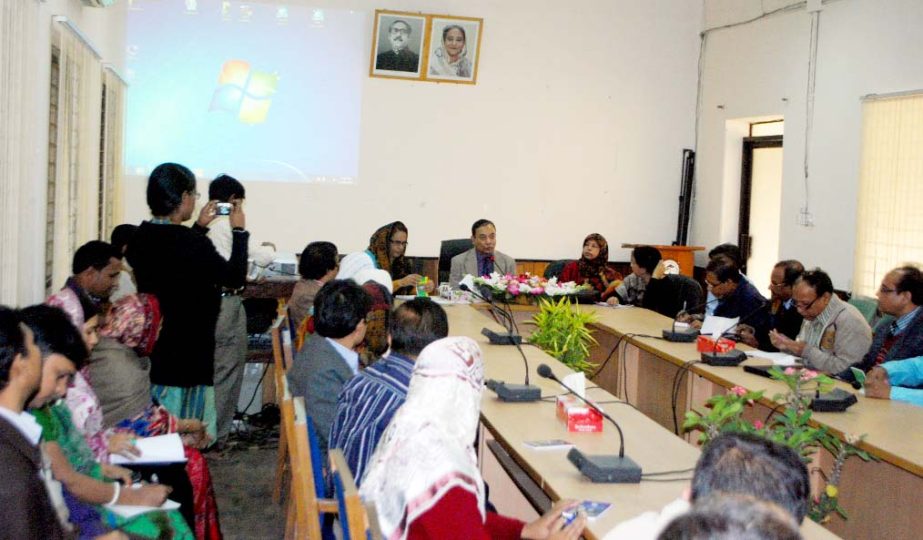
<point x="578" y="416"/>
<point x="707" y="345"/>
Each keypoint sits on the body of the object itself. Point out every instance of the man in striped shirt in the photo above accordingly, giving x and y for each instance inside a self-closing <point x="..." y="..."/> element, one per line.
<point x="369" y="400"/>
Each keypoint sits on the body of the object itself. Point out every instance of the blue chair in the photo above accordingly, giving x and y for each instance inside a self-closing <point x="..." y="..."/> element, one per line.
<point x="305" y="514"/>
<point x="354" y="514"/>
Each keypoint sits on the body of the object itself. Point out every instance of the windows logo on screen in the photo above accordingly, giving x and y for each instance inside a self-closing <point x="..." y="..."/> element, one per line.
<point x="244" y="91"/>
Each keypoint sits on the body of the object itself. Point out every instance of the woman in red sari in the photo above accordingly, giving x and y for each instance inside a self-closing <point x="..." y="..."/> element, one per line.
<point x="592" y="267"/>
<point x="119" y="373"/>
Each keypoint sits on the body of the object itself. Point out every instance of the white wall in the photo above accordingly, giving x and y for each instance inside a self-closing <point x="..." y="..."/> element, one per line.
<point x="760" y="69"/>
<point x="576" y="125"/>
<point x="105" y="29"/>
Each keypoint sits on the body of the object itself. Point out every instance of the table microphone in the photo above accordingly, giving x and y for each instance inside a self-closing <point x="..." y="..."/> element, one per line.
<point x="730" y="358"/>
<point x="685" y="336"/>
<point x="510" y="338"/>
<point x="505" y="391"/>
<point x="607" y="469"/>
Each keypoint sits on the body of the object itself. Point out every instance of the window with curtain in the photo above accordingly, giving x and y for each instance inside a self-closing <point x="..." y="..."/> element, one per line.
<point x="73" y="161"/>
<point x="890" y="220"/>
<point x="110" y="153"/>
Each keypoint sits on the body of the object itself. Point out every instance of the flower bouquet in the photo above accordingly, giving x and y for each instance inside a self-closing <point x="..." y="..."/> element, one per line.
<point x="526" y="288"/>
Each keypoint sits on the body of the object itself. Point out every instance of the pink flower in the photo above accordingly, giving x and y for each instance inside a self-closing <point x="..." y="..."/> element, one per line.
<point x="789" y="371"/>
<point x="758" y="424"/>
<point x="808" y="374"/>
<point x="538" y="290"/>
<point x="514" y="290"/>
<point x="739" y="390"/>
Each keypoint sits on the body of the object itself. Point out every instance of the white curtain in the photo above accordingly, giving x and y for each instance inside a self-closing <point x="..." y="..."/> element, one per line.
<point x="74" y="148"/>
<point x="890" y="220"/>
<point x="110" y="210"/>
<point x="19" y="162"/>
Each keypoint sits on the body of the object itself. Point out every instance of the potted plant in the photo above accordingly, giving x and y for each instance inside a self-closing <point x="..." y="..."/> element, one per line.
<point x="792" y="428"/>
<point x="562" y="331"/>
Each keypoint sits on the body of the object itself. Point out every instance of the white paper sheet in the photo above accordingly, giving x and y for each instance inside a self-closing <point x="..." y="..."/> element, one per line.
<point x="129" y="512"/>
<point x="717" y="326"/>
<point x="778" y="358"/>
<point x="160" y="449"/>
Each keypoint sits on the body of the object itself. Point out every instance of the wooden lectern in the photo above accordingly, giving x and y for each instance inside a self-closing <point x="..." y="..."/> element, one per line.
<point x="683" y="255"/>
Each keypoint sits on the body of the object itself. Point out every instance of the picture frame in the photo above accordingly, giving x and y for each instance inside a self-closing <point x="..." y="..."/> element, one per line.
<point x="454" y="49"/>
<point x="398" y="45"/>
<point x="426" y="47"/>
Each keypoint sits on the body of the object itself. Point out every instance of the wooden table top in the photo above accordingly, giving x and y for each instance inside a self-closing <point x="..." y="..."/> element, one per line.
<point x="651" y="446"/>
<point x="884" y="422"/>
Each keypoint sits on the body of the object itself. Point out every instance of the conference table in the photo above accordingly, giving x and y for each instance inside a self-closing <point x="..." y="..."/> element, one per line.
<point x="522" y="479"/>
<point x="880" y="497"/>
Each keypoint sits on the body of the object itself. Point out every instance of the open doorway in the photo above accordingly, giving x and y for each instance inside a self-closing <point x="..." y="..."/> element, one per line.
<point x="761" y="201"/>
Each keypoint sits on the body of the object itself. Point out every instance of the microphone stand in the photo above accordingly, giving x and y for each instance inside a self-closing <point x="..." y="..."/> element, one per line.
<point x="599" y="468"/>
<point x="730" y="358"/>
<point x="510" y="338"/>
<point x="522" y="393"/>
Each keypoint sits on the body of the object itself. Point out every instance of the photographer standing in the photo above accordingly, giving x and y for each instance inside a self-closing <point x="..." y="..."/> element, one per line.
<point x="231" y="331"/>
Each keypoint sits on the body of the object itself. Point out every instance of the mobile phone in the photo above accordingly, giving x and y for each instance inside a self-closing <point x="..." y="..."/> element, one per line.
<point x="223" y="209"/>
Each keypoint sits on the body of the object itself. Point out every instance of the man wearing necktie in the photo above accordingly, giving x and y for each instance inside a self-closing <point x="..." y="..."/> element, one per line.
<point x="483" y="258"/>
<point x="900" y="296"/>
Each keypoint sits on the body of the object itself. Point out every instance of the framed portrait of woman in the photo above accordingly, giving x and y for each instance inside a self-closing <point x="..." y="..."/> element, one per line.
<point x="397" y="47"/>
<point x="454" y="46"/>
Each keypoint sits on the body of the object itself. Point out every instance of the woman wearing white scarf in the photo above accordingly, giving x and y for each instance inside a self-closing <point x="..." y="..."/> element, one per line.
<point x="451" y="59"/>
<point x="424" y="477"/>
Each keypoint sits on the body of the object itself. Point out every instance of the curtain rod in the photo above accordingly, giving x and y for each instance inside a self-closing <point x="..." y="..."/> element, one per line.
<point x="889" y="95"/>
<point x="79" y="35"/>
<point x="108" y="66"/>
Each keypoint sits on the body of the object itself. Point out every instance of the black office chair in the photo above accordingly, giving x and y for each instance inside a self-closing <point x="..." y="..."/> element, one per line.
<point x="555" y="268"/>
<point x="672" y="294"/>
<point x="449" y="249"/>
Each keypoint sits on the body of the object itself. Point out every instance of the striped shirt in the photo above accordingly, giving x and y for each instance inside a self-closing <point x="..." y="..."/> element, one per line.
<point x="903" y="322"/>
<point x="365" y="407"/>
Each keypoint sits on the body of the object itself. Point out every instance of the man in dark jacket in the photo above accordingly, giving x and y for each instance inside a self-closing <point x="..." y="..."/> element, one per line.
<point x="901" y="297"/>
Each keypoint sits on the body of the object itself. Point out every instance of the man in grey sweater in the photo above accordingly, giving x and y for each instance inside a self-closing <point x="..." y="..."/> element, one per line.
<point x="834" y="335"/>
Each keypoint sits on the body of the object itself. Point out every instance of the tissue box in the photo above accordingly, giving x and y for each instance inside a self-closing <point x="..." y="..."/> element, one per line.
<point x="578" y="416"/>
<point x="707" y="345"/>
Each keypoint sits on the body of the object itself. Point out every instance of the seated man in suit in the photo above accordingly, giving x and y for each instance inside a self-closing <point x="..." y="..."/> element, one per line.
<point x="737" y="298"/>
<point x="901" y="297"/>
<point x="370" y="399"/>
<point x="328" y="358"/>
<point x="783" y="317"/>
<point x="482" y="259"/>
<point x="834" y="335"/>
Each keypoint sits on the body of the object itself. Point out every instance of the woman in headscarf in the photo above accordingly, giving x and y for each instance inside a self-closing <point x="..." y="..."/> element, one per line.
<point x="375" y="344"/>
<point x="451" y="59"/>
<point x="592" y="268"/>
<point x="423" y="478"/>
<point x="386" y="249"/>
<point x="119" y="371"/>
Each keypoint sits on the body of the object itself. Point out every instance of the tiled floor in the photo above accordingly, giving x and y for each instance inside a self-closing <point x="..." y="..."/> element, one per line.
<point x="243" y="476"/>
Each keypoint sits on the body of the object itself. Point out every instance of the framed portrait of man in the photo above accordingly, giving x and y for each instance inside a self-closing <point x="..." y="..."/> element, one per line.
<point x="397" y="47"/>
<point x="454" y="45"/>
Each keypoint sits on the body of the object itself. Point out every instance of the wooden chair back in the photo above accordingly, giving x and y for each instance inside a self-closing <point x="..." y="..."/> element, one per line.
<point x="307" y="475"/>
<point x="354" y="516"/>
<point x="278" y="373"/>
